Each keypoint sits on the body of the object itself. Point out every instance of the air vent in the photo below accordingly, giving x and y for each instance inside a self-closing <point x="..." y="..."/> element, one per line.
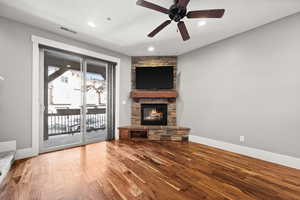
<point x="68" y="30"/>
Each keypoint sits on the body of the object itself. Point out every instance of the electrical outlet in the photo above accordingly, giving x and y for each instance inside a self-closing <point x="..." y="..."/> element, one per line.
<point x="242" y="138"/>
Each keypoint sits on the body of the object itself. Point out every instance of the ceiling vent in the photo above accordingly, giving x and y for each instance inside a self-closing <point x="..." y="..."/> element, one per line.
<point x="68" y="30"/>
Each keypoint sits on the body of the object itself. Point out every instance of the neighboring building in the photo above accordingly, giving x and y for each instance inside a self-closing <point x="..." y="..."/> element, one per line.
<point x="64" y="92"/>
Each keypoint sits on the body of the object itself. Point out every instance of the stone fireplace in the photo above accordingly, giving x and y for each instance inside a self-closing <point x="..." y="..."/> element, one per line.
<point x="153" y="112"/>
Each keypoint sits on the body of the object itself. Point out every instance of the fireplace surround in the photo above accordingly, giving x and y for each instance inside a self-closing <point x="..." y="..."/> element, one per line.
<point x="153" y="112"/>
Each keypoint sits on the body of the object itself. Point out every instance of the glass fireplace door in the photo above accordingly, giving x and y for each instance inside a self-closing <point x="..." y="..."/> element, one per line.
<point x="154" y="114"/>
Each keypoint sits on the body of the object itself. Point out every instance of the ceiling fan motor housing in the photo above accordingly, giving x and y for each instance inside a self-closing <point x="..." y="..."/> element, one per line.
<point x="177" y="13"/>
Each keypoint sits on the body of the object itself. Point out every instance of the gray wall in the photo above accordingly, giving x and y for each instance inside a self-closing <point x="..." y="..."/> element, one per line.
<point x="247" y="85"/>
<point x="15" y="91"/>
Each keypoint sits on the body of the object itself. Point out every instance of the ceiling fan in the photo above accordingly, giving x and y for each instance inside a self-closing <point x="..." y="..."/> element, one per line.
<point x="177" y="12"/>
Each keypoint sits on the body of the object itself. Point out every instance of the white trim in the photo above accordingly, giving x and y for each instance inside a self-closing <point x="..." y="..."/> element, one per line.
<point x="35" y="119"/>
<point x="117" y="103"/>
<point x="74" y="49"/>
<point x="25" y="153"/>
<point x="8" y="146"/>
<point x="36" y="85"/>
<point x="248" y="151"/>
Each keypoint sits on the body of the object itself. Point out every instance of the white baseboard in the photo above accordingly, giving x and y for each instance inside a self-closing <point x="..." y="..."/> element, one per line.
<point x="25" y="153"/>
<point x="248" y="151"/>
<point x="20" y="153"/>
<point x="8" y="146"/>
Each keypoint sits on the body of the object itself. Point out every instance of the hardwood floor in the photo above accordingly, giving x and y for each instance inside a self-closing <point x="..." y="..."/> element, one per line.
<point x="129" y="170"/>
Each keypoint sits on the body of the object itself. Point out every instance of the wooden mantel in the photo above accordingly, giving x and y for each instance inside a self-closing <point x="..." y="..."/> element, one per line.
<point x="161" y="94"/>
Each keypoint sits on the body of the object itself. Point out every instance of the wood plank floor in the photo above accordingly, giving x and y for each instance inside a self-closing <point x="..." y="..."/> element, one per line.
<point x="148" y="170"/>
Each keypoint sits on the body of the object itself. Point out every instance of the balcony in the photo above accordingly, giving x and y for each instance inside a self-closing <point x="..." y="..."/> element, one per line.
<point x="68" y="121"/>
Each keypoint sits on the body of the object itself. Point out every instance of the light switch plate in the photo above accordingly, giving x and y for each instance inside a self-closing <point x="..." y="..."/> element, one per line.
<point x="242" y="138"/>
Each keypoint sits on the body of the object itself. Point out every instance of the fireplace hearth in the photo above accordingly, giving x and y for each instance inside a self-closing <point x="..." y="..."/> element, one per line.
<point x="154" y="114"/>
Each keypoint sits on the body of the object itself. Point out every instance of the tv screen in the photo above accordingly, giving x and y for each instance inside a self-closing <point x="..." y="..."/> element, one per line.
<point x="154" y="78"/>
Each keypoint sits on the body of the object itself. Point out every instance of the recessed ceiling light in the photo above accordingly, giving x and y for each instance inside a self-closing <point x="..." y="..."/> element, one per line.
<point x="151" y="49"/>
<point x="202" y="23"/>
<point x="92" y="24"/>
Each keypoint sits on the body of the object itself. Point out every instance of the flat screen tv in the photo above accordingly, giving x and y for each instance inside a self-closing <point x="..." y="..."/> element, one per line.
<point x="154" y="78"/>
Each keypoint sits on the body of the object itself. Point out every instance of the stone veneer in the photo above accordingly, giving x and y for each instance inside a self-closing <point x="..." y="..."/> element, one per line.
<point x="169" y="132"/>
<point x="155" y="61"/>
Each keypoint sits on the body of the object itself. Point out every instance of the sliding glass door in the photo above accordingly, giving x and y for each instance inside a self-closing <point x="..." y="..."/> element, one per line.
<point x="78" y="100"/>
<point x="95" y="100"/>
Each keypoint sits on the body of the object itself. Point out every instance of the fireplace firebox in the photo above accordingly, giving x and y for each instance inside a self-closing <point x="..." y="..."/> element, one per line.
<point x="154" y="114"/>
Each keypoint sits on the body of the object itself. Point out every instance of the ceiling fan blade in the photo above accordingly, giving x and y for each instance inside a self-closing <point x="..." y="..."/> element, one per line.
<point x="183" y="31"/>
<point x="217" y="13"/>
<point x="152" y="6"/>
<point x="159" y="28"/>
<point x="183" y="3"/>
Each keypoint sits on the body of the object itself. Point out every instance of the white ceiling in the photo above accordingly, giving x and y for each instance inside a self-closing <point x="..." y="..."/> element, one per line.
<point x="130" y="24"/>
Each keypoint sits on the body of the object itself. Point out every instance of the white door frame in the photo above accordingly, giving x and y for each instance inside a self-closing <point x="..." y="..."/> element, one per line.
<point x="37" y="104"/>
